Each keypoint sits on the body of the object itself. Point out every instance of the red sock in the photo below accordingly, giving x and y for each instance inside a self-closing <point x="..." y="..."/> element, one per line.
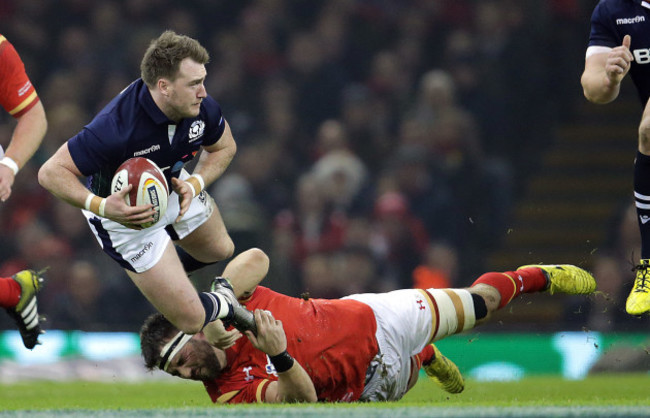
<point x="513" y="283"/>
<point x="425" y="356"/>
<point x="9" y="292"/>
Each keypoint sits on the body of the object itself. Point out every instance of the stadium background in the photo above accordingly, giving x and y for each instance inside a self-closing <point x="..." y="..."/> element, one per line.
<point x="382" y="144"/>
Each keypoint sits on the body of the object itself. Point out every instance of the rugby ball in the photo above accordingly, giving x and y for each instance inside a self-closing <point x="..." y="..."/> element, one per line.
<point x="149" y="185"/>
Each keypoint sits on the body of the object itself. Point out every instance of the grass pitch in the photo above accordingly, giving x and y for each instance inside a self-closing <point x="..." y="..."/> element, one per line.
<point x="604" y="396"/>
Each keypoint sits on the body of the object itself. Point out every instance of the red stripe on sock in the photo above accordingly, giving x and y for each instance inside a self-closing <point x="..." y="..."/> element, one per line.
<point x="513" y="283"/>
<point x="9" y="292"/>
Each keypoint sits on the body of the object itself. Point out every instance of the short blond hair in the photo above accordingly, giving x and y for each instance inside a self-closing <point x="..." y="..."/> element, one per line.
<point x="164" y="56"/>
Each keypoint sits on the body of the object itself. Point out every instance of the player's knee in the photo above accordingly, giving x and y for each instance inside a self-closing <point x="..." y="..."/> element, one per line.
<point x="258" y="257"/>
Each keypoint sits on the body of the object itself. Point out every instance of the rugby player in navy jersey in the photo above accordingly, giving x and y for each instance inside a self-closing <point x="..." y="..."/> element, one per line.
<point x="168" y="117"/>
<point x="620" y="43"/>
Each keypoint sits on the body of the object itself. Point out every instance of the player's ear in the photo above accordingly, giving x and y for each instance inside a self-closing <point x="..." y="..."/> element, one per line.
<point x="163" y="86"/>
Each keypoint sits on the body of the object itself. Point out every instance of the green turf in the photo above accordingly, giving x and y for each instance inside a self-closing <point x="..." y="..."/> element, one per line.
<point x="609" y="390"/>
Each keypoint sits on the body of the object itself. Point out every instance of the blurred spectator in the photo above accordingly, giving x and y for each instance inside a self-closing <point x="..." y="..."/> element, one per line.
<point x="317" y="278"/>
<point x="315" y="80"/>
<point x="341" y="176"/>
<point x="419" y="177"/>
<point x="448" y="134"/>
<point x="246" y="219"/>
<point x="313" y="225"/>
<point x="83" y="304"/>
<point x="439" y="268"/>
<point x="399" y="236"/>
<point x="368" y="125"/>
<point x="348" y="271"/>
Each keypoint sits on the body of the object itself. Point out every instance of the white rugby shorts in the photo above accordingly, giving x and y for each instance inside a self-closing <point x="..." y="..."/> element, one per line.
<point x="140" y="250"/>
<point x="408" y="320"/>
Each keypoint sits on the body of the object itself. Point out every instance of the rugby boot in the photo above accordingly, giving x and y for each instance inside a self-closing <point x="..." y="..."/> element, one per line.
<point x="240" y="317"/>
<point x="25" y="313"/>
<point x="638" y="302"/>
<point x="566" y="278"/>
<point x="445" y="373"/>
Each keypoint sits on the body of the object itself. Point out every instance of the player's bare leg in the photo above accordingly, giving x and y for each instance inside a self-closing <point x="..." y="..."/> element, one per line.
<point x="209" y="242"/>
<point x="171" y="292"/>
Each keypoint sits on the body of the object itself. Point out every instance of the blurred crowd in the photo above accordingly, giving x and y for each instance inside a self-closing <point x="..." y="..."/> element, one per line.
<point x="382" y="143"/>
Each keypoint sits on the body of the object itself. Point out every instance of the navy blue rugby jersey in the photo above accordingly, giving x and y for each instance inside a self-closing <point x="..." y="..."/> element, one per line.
<point x="611" y="21"/>
<point x="132" y="125"/>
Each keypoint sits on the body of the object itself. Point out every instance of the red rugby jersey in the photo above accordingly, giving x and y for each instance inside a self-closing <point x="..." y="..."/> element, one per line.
<point x="17" y="94"/>
<point x="334" y="341"/>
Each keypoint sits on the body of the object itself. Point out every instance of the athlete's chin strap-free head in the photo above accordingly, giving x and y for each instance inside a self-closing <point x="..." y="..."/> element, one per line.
<point x="172" y="348"/>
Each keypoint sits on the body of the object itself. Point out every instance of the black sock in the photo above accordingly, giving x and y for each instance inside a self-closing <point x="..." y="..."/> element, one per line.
<point x="642" y="199"/>
<point x="480" y="308"/>
<point x="190" y="263"/>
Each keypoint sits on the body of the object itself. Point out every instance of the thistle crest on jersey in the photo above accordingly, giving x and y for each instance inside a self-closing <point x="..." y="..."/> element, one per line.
<point x="196" y="130"/>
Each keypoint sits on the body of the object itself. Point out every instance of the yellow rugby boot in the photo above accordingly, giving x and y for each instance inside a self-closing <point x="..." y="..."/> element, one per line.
<point x="638" y="302"/>
<point x="25" y="313"/>
<point x="445" y="373"/>
<point x="566" y="278"/>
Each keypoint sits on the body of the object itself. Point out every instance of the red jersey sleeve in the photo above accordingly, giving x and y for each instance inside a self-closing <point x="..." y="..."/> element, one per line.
<point x="17" y="94"/>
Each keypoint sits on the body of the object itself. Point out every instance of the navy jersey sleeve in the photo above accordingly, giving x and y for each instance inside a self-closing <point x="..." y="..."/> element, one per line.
<point x="91" y="152"/>
<point x="215" y="122"/>
<point x="603" y="30"/>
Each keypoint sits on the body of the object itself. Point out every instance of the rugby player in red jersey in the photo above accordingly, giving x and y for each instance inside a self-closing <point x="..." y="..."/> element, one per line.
<point x="364" y="347"/>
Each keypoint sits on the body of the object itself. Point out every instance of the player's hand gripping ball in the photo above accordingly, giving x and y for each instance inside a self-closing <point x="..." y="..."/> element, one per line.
<point x="149" y="185"/>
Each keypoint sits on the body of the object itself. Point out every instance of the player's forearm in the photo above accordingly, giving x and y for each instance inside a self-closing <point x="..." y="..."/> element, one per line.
<point x="295" y="385"/>
<point x="598" y="88"/>
<point x="28" y="135"/>
<point x="215" y="160"/>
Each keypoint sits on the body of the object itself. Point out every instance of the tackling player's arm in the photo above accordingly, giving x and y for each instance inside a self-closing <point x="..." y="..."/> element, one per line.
<point x="294" y="384"/>
<point x="25" y="140"/>
<point x="604" y="71"/>
<point x="60" y="176"/>
<point x="18" y="97"/>
<point x="28" y="135"/>
<point x="213" y="161"/>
